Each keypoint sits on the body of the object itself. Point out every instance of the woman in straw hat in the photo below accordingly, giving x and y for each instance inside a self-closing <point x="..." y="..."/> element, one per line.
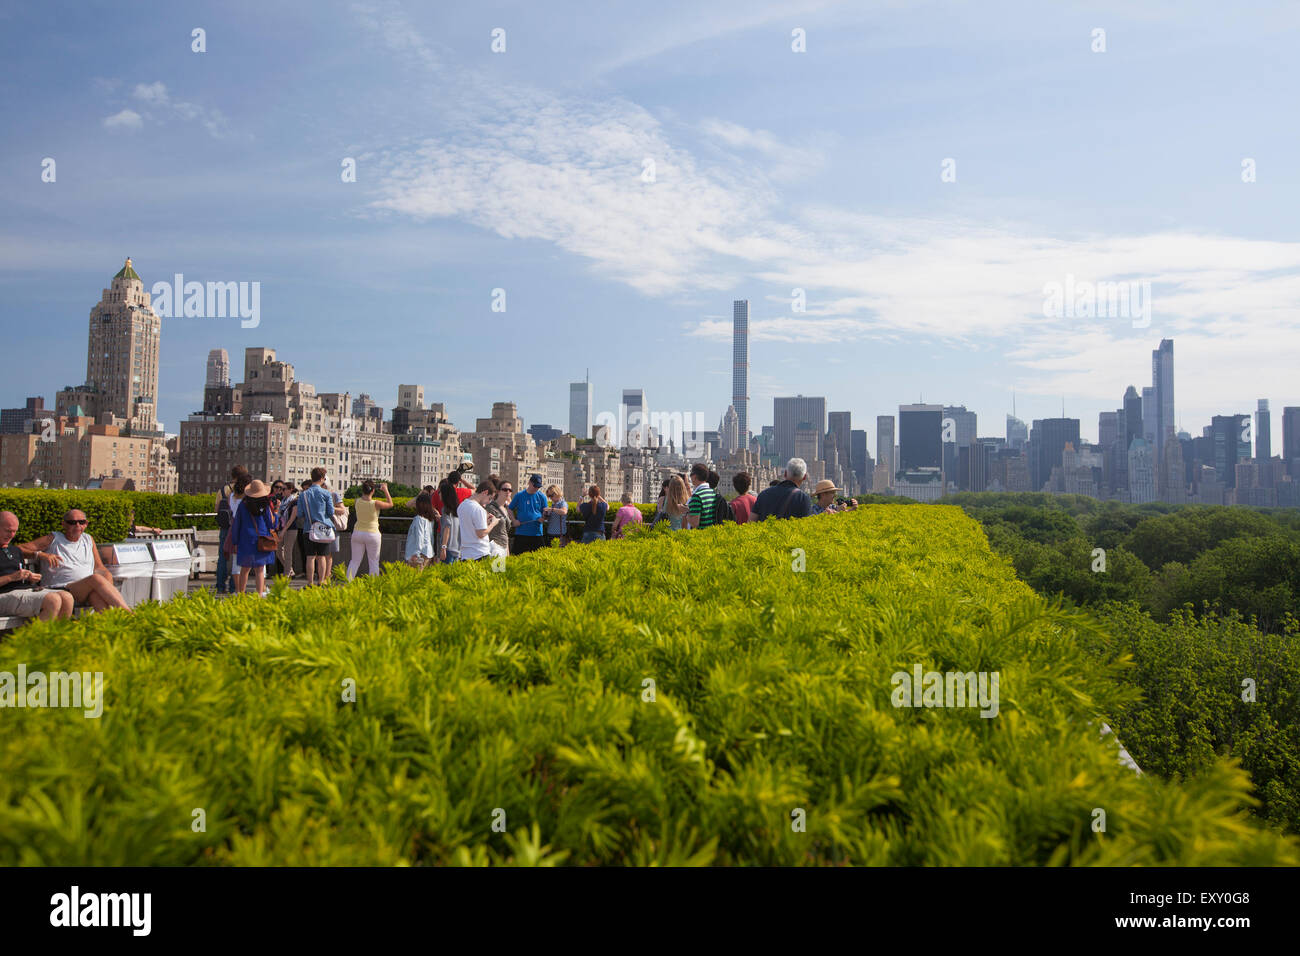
<point x="824" y="497"/>
<point x="255" y="539"/>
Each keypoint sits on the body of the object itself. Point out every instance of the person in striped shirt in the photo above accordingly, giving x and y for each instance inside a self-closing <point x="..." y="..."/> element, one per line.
<point x="700" y="509"/>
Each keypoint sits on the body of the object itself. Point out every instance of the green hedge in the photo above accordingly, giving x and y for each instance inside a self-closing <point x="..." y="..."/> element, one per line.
<point x="40" y="511"/>
<point x="523" y="698"/>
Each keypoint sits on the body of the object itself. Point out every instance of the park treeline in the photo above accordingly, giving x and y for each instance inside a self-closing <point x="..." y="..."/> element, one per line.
<point x="1201" y="602"/>
<point x="1162" y="557"/>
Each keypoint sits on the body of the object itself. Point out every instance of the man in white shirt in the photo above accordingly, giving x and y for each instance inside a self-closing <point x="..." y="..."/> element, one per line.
<point x="475" y="523"/>
<point x="73" y="564"/>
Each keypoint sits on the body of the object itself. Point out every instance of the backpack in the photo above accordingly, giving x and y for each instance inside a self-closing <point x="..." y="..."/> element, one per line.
<point x="223" y="509"/>
<point x="721" y="509"/>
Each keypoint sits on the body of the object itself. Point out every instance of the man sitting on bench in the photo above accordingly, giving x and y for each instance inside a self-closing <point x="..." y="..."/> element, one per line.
<point x="20" y="592"/>
<point x="74" y="565"/>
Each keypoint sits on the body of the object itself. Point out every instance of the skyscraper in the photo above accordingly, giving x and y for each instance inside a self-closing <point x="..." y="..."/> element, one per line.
<point x="920" y="437"/>
<point x="1263" y="432"/>
<point x="1149" y="416"/>
<point x="122" y="355"/>
<point x="740" y="364"/>
<point x="1229" y="446"/>
<point x="1132" y="417"/>
<point x="1109" y="428"/>
<point x="883" y="478"/>
<point x="730" y="432"/>
<point x="1141" y="471"/>
<point x="841" y="423"/>
<point x="218" y="369"/>
<point x="858" y="455"/>
<point x="1291" y="439"/>
<point x="964" y="425"/>
<point x="634" y="417"/>
<point x="1173" y="472"/>
<point x="1047" y="440"/>
<point x="788" y="414"/>
<point x="1162" y="381"/>
<point x="1017" y="432"/>
<point x="580" y="409"/>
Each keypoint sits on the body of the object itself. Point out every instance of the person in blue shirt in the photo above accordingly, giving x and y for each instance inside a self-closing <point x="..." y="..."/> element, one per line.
<point x="526" y="508"/>
<point x="316" y="504"/>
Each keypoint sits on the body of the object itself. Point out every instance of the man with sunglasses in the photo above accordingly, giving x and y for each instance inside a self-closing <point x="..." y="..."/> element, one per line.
<point x="498" y="507"/>
<point x="72" y="564"/>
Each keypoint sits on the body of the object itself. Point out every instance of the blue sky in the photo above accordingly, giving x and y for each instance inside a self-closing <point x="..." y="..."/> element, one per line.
<point x="774" y="170"/>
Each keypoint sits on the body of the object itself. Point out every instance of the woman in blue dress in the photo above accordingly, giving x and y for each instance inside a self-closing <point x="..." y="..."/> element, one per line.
<point x="252" y="520"/>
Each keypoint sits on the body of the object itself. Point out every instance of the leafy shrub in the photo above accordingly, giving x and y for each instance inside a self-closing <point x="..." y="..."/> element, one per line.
<point x="523" y="692"/>
<point x="1192" y="711"/>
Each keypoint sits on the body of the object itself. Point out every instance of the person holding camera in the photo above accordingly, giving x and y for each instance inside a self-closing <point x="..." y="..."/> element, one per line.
<point x="365" y="534"/>
<point x="460" y="487"/>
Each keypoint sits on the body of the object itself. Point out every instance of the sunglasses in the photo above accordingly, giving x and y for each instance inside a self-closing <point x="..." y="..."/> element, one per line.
<point x="507" y="489"/>
<point x="74" y="521"/>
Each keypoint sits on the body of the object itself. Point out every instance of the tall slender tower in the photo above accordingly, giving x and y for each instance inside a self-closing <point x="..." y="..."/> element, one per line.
<point x="1263" y="432"/>
<point x="1162" y="380"/>
<point x="885" y="460"/>
<point x="740" y="366"/>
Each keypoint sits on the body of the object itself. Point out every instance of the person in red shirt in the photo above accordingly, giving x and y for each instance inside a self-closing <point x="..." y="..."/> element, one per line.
<point x="463" y="489"/>
<point x="743" y="503"/>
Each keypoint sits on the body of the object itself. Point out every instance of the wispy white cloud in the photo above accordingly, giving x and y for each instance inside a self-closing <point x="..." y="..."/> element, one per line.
<point x="126" y="119"/>
<point x="390" y="24"/>
<point x="157" y="105"/>
<point x="666" y="32"/>
<point x="781" y="159"/>
<point x="571" y="171"/>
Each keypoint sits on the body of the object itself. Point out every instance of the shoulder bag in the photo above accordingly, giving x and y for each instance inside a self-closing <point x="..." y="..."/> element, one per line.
<point x="319" y="532"/>
<point x="269" y="541"/>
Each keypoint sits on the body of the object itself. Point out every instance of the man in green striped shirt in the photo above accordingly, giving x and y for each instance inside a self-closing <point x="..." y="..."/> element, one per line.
<point x="700" y="509"/>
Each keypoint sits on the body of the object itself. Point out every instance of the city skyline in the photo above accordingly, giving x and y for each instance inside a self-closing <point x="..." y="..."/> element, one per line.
<point x="815" y="185"/>
<point x="1155" y="407"/>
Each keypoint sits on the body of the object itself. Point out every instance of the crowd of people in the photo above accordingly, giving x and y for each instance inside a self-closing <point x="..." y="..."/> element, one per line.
<point x="267" y="526"/>
<point x="457" y="521"/>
